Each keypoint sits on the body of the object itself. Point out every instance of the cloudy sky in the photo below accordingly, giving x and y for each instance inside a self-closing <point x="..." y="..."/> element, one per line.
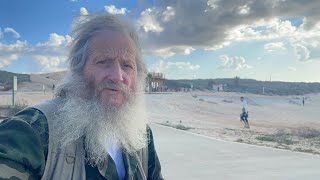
<point x="185" y="39"/>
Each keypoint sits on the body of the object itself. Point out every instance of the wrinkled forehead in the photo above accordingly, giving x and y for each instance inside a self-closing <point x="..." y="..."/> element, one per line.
<point x="112" y="41"/>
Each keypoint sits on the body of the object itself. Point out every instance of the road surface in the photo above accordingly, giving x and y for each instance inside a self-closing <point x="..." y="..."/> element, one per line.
<point x="185" y="156"/>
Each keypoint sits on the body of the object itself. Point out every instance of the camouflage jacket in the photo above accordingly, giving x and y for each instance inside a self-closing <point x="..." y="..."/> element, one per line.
<point x="24" y="151"/>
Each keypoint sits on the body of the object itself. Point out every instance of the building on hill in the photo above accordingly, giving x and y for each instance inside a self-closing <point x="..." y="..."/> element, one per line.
<point x="156" y="82"/>
<point x="217" y="87"/>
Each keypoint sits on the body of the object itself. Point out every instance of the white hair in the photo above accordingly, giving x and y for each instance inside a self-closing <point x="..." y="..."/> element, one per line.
<point x="83" y="31"/>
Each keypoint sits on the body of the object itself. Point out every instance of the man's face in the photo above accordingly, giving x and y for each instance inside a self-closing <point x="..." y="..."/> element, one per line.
<point x="111" y="66"/>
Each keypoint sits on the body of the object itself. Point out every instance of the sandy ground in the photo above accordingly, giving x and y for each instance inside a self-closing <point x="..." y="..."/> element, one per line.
<point x="217" y="115"/>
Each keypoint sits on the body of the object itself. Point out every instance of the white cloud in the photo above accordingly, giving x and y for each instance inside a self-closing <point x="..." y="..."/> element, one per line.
<point x="212" y="4"/>
<point x="188" y="50"/>
<point x="159" y="67"/>
<point x="50" y="55"/>
<point x="83" y="11"/>
<point x="11" y="52"/>
<point x="233" y="63"/>
<point x="215" y="24"/>
<point x="56" y="40"/>
<point x="49" y="63"/>
<point x="274" y="28"/>
<point x="171" y="51"/>
<point x="167" y="67"/>
<point x="165" y="52"/>
<point x="292" y="68"/>
<point x="274" y="46"/>
<point x="168" y="14"/>
<point x="244" y="9"/>
<point x="7" y="59"/>
<point x="113" y="10"/>
<point x="178" y="69"/>
<point x="18" y="46"/>
<point x="302" y="52"/>
<point x="148" y="21"/>
<point x="184" y="65"/>
<point x="14" y="32"/>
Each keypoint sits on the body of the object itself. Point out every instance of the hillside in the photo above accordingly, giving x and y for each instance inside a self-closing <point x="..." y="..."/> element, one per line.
<point x="249" y="86"/>
<point x="32" y="82"/>
<point x="35" y="82"/>
<point x="6" y="77"/>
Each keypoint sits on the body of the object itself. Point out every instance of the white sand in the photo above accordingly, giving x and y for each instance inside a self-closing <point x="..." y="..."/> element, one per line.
<point x="224" y="108"/>
<point x="217" y="115"/>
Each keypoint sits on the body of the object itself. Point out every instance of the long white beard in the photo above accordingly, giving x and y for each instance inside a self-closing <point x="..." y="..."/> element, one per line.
<point x="102" y="126"/>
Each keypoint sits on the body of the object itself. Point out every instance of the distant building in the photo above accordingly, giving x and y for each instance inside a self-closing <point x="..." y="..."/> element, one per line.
<point x="156" y="82"/>
<point x="217" y="87"/>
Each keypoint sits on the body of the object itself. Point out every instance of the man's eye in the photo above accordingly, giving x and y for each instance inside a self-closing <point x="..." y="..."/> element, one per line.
<point x="128" y="66"/>
<point x="101" y="62"/>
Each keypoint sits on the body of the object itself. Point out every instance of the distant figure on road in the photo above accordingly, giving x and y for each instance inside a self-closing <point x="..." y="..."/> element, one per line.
<point x="303" y="101"/>
<point x="244" y="114"/>
<point x="44" y="89"/>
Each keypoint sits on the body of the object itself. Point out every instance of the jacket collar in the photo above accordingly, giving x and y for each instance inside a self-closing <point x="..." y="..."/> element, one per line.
<point x="131" y="161"/>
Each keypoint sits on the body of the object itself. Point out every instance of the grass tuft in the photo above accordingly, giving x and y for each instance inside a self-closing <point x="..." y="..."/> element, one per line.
<point x="306" y="132"/>
<point x="194" y="96"/>
<point x="177" y="126"/>
<point x="9" y="110"/>
<point x="284" y="139"/>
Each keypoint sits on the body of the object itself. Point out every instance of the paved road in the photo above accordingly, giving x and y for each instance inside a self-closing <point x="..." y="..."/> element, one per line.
<point x="187" y="156"/>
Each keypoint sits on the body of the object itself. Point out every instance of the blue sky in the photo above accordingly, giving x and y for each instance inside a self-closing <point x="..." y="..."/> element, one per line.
<point x="276" y="39"/>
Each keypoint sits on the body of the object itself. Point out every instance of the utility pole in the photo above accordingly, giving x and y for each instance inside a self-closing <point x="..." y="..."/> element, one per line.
<point x="14" y="87"/>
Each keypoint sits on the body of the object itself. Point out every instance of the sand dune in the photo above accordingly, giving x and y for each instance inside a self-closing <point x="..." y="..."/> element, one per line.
<point x="40" y="81"/>
<point x="217" y="115"/>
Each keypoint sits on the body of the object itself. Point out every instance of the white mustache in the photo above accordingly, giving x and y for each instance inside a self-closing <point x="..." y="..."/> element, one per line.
<point x="115" y="86"/>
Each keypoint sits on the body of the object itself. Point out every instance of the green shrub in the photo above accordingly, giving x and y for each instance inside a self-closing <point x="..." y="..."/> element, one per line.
<point x="284" y="139"/>
<point x="177" y="126"/>
<point x="182" y="127"/>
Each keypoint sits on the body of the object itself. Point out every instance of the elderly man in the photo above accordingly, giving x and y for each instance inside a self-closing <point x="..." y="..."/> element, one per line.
<point x="95" y="127"/>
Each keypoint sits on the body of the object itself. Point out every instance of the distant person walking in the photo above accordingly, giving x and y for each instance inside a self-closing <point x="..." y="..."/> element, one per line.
<point x="245" y="113"/>
<point x="53" y="87"/>
<point x="44" y="89"/>
<point x="303" y="101"/>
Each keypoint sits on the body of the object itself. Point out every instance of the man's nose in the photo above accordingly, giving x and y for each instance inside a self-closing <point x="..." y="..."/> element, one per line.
<point x="116" y="73"/>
